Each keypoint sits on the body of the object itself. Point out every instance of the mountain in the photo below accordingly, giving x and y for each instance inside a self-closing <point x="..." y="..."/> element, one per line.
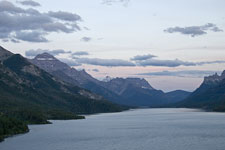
<point x="119" y="85"/>
<point x="25" y="87"/>
<point x="72" y="76"/>
<point x="134" y="91"/>
<point x="210" y="95"/>
<point x="129" y="91"/>
<point x="177" y="95"/>
<point x="138" y="92"/>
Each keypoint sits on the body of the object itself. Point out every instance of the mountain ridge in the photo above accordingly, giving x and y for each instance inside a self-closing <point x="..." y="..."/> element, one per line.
<point x="126" y="91"/>
<point x="24" y="86"/>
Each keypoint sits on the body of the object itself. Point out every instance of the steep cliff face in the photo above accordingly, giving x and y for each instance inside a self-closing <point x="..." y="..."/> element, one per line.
<point x="210" y="94"/>
<point x="214" y="79"/>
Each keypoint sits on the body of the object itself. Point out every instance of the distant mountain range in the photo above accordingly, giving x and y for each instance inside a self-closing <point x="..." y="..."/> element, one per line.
<point x="210" y="95"/>
<point x="26" y="87"/>
<point x="57" y="77"/>
<point x="129" y="91"/>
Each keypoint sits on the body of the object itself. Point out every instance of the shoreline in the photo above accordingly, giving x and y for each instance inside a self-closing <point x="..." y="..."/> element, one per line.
<point x="79" y="117"/>
<point x="87" y="115"/>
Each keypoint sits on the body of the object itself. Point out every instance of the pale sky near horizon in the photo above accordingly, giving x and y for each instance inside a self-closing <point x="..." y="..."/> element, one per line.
<point x="176" y="42"/>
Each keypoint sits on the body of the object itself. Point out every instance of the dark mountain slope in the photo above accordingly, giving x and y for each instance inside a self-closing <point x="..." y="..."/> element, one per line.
<point x="23" y="86"/>
<point x="210" y="95"/>
<point x="177" y="95"/>
<point x="72" y="76"/>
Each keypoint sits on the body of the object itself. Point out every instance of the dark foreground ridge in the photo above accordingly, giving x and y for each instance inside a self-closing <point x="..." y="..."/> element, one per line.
<point x="11" y="126"/>
<point x="29" y="95"/>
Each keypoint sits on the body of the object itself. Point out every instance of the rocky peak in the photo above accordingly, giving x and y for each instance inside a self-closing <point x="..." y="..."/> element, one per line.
<point x="223" y="74"/>
<point x="120" y="85"/>
<point x="214" y="78"/>
<point x="57" y="68"/>
<point x="49" y="63"/>
<point x="136" y="82"/>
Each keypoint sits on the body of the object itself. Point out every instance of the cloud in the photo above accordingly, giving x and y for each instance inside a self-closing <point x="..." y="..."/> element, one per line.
<point x="183" y="73"/>
<point x="5" y="40"/>
<point x="105" y="62"/>
<point x="194" y="30"/>
<point x="165" y="63"/>
<point x="33" y="53"/>
<point x="70" y="62"/>
<point x="80" y="53"/>
<point x="100" y="39"/>
<point x="142" y="57"/>
<point x="64" y="16"/>
<point x="28" y="36"/>
<point x="110" y="2"/>
<point x="95" y="70"/>
<point x="139" y="60"/>
<point x="86" y="39"/>
<point x="15" y="41"/>
<point x="6" y="6"/>
<point x="211" y="62"/>
<point x="29" y="3"/>
<point x="150" y="60"/>
<point x="30" y="25"/>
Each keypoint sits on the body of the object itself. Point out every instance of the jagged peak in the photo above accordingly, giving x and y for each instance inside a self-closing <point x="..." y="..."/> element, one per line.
<point x="223" y="74"/>
<point x="138" y="82"/>
<point x="215" y="78"/>
<point x="49" y="63"/>
<point x="131" y="79"/>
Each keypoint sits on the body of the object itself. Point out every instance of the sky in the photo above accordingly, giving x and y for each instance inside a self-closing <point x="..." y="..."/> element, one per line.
<point x="172" y="44"/>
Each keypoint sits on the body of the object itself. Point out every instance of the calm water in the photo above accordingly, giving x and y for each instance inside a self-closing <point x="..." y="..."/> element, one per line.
<point x="143" y="129"/>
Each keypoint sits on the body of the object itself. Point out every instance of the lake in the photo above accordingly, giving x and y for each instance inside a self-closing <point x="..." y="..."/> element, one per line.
<point x="141" y="129"/>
